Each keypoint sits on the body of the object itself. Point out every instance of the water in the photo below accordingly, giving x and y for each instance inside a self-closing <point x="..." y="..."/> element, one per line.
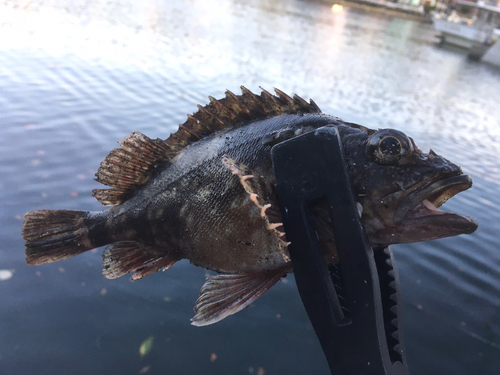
<point x="77" y="76"/>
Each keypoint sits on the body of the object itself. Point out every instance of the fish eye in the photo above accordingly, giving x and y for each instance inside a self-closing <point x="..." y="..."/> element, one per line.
<point x="390" y="146"/>
<point x="387" y="146"/>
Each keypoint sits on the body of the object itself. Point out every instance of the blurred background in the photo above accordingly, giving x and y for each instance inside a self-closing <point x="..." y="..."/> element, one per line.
<point x="77" y="76"/>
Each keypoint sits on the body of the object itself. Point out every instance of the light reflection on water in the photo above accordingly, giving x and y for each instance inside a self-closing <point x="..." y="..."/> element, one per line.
<point x="77" y="76"/>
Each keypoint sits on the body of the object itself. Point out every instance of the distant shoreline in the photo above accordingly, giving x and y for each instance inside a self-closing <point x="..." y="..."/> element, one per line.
<point x="387" y="7"/>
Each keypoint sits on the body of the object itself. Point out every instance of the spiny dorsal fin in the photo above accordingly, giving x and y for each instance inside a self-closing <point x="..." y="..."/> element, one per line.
<point x="235" y="110"/>
<point x="130" y="166"/>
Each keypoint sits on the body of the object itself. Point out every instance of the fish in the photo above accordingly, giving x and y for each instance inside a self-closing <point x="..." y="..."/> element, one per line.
<point x="208" y="194"/>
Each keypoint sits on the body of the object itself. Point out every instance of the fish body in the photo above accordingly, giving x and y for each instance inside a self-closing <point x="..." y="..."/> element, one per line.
<point x="208" y="194"/>
<point x="196" y="207"/>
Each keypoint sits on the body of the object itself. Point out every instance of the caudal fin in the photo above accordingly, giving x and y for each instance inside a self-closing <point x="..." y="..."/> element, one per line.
<point x="53" y="235"/>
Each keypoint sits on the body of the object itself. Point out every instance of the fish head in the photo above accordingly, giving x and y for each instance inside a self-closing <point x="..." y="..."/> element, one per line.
<point x="401" y="188"/>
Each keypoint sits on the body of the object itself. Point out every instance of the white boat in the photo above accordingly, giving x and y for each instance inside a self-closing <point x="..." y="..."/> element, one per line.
<point x="474" y="30"/>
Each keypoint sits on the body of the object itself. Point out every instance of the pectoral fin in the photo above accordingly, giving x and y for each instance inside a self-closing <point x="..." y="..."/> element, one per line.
<point x="263" y="195"/>
<point x="224" y="295"/>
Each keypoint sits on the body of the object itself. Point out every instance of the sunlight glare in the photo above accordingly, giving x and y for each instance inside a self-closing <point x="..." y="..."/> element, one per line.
<point x="336" y="8"/>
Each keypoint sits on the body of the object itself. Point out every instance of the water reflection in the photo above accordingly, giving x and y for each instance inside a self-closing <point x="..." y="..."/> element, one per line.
<point x="79" y="75"/>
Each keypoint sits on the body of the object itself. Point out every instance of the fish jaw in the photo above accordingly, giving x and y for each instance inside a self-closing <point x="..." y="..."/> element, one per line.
<point x="417" y="217"/>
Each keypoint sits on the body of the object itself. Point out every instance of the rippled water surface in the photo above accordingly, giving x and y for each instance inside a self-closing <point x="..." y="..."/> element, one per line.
<point x="77" y="76"/>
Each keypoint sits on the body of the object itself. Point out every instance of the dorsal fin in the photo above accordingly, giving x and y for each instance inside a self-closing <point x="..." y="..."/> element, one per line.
<point x="235" y="110"/>
<point x="130" y="166"/>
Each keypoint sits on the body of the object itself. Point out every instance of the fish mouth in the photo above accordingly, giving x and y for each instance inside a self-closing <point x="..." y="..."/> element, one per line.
<point x="420" y="208"/>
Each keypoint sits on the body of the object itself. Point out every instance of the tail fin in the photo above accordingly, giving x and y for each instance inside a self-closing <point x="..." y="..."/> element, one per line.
<point x="53" y="235"/>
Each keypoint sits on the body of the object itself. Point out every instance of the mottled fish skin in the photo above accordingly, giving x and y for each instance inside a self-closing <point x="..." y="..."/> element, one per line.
<point x="207" y="194"/>
<point x="196" y="209"/>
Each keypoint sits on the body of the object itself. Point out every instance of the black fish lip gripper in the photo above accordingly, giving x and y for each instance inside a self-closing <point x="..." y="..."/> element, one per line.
<point x="353" y="306"/>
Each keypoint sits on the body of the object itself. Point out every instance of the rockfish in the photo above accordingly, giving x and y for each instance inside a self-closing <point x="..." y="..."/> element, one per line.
<point x="208" y="194"/>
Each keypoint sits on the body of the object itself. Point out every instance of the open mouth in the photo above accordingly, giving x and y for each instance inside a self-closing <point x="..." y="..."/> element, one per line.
<point x="421" y="207"/>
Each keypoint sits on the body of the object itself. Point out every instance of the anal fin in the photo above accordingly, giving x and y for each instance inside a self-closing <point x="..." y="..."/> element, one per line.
<point x="224" y="295"/>
<point x="125" y="257"/>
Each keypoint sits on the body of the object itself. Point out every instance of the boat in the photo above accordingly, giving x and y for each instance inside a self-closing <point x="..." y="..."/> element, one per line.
<point x="470" y="26"/>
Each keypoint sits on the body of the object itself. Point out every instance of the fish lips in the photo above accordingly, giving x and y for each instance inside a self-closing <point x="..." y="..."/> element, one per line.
<point x="420" y="208"/>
